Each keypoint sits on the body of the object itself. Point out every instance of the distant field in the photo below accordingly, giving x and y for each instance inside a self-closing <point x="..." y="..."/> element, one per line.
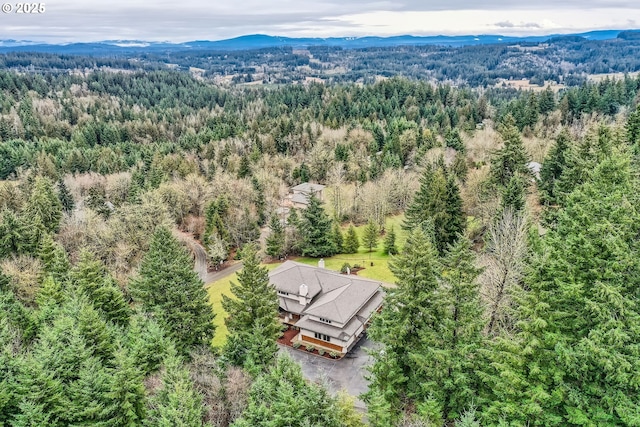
<point x="379" y="271"/>
<point x="525" y="84"/>
<point x="613" y="76"/>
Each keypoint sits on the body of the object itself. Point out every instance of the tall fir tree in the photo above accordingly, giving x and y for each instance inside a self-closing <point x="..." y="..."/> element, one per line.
<point x="65" y="196"/>
<point x="53" y="257"/>
<point x="275" y="243"/>
<point x="92" y="279"/>
<point x="252" y="315"/>
<point x="44" y="204"/>
<point x="14" y="234"/>
<point x="411" y="311"/>
<point x="437" y="206"/>
<point x="170" y="290"/>
<point x="315" y="228"/>
<point x="513" y="195"/>
<point x="553" y="167"/>
<point x="351" y="241"/>
<point x="448" y="359"/>
<point x="125" y="400"/>
<point x="390" y="242"/>
<point x="511" y="159"/>
<point x="281" y="397"/>
<point x="337" y="237"/>
<point x="370" y="235"/>
<point x="177" y="403"/>
<point x="573" y="361"/>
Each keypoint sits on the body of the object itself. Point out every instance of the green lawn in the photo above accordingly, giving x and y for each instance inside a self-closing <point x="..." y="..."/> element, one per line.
<point x="216" y="290"/>
<point x="379" y="271"/>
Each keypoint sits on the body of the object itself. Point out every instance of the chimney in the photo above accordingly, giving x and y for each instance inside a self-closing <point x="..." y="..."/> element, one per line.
<point x="302" y="294"/>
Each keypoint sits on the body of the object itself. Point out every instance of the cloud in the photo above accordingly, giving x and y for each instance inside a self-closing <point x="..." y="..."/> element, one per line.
<point x="509" y="24"/>
<point x="76" y="20"/>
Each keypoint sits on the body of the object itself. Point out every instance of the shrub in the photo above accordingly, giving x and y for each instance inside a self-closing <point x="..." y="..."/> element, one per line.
<point x="334" y="354"/>
<point x="310" y="348"/>
<point x="296" y="344"/>
<point x="321" y="352"/>
<point x="344" y="267"/>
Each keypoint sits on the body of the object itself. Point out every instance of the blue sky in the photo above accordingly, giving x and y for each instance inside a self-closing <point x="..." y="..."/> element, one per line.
<point x="162" y="20"/>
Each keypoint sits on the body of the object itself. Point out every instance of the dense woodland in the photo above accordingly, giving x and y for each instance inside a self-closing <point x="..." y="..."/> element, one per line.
<point x="515" y="303"/>
<point x="565" y="60"/>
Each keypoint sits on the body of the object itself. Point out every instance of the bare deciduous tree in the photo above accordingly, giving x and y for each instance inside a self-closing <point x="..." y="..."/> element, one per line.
<point x="504" y="262"/>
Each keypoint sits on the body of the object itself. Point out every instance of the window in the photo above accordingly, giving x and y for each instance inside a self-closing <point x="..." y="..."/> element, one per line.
<point x="322" y="319"/>
<point x="322" y="337"/>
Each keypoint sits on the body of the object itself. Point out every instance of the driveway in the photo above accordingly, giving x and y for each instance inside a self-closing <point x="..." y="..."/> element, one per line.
<point x="347" y="373"/>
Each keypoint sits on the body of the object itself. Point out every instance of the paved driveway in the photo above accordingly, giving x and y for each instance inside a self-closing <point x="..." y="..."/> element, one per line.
<point x="347" y="373"/>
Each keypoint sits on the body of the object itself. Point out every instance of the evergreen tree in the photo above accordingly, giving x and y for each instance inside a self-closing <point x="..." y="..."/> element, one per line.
<point x="512" y="158"/>
<point x="513" y="195"/>
<point x="293" y="236"/>
<point x="409" y="316"/>
<point x="97" y="336"/>
<point x="244" y="170"/>
<point x="177" y="403"/>
<point x="276" y="240"/>
<point x="169" y="289"/>
<point x="552" y="168"/>
<point x="351" y="241"/>
<point x="14" y="235"/>
<point x="390" y="242"/>
<point x="54" y="258"/>
<point x="336" y="236"/>
<point x="259" y="201"/>
<point x="146" y="343"/>
<point x="44" y="204"/>
<point x="125" y="400"/>
<point x="633" y="128"/>
<point x="252" y="315"/>
<point x="449" y="360"/>
<point x="573" y="360"/>
<point x="315" y="228"/>
<point x="437" y="205"/>
<point x="370" y="235"/>
<point x="282" y="398"/>
<point x="96" y="283"/>
<point x="66" y="199"/>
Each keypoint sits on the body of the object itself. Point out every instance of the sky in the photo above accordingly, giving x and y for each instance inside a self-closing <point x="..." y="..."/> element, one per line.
<point x="185" y="20"/>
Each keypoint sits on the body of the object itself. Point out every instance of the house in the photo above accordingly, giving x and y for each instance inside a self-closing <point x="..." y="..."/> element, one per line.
<point x="302" y="192"/>
<point x="329" y="309"/>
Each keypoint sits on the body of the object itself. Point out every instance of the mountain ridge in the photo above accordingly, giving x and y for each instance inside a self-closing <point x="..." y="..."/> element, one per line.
<point x="261" y="41"/>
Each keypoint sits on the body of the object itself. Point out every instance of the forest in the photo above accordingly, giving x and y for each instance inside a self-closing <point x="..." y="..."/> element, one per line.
<point x="513" y="303"/>
<point x="565" y="60"/>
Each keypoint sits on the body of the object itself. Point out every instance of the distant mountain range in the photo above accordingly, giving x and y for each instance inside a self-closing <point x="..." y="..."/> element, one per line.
<point x="260" y="41"/>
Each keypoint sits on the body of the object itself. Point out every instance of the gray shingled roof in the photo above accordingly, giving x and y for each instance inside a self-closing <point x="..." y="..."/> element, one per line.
<point x="307" y="187"/>
<point x="336" y="296"/>
<point x="303" y="199"/>
<point x="290" y="305"/>
<point x="350" y="328"/>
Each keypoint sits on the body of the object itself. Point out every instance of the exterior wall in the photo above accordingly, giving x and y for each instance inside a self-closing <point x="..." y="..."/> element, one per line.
<point x="299" y="205"/>
<point x="315" y="341"/>
<point x="333" y="322"/>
